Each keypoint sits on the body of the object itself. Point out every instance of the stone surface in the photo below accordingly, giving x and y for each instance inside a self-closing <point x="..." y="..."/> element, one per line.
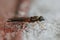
<point x="50" y="10"/>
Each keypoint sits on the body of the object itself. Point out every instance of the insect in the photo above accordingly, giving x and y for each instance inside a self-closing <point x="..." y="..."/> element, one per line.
<point x="26" y="19"/>
<point x="22" y="21"/>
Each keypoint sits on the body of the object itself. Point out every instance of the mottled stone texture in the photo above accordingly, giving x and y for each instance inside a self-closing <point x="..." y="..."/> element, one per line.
<point x="49" y="9"/>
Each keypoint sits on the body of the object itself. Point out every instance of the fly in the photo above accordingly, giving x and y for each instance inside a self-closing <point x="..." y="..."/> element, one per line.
<point x="26" y="19"/>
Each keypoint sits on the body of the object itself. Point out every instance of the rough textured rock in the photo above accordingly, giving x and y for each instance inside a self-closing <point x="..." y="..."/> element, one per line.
<point x="49" y="9"/>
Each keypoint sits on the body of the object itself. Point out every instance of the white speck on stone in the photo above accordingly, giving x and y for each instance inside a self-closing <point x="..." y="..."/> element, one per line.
<point x="21" y="13"/>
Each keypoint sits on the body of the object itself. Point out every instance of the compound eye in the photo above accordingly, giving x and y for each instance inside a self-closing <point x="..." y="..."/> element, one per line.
<point x="41" y="18"/>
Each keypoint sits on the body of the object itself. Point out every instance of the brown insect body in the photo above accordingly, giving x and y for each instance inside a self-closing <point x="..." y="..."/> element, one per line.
<point x="26" y="19"/>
